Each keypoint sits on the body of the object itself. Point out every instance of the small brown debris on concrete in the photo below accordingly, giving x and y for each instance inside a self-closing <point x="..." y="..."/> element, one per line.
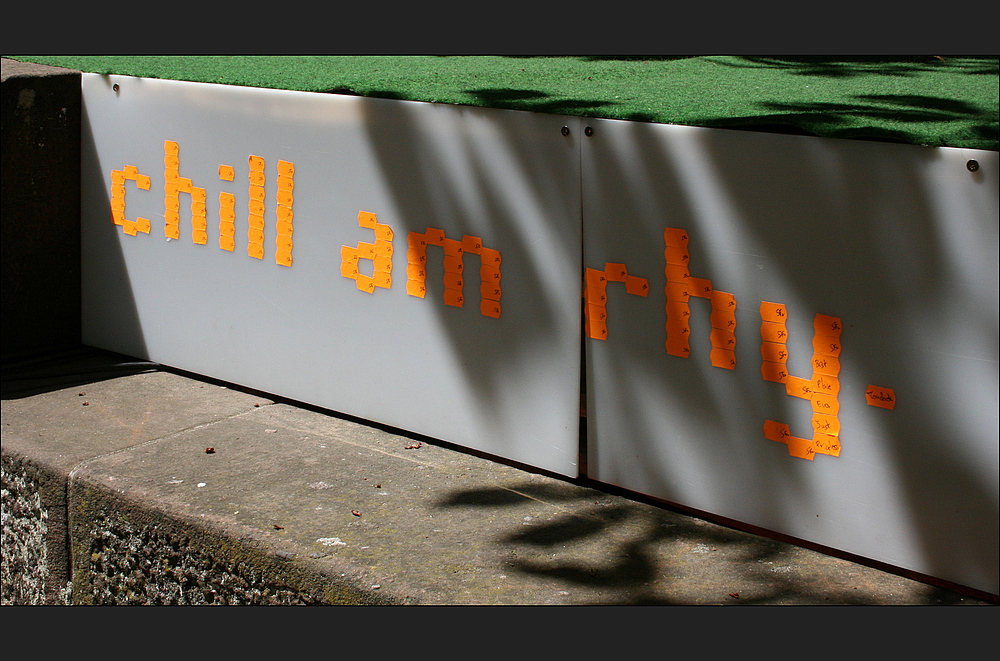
<point x="413" y="446"/>
<point x="355" y="512"/>
<point x="209" y="450"/>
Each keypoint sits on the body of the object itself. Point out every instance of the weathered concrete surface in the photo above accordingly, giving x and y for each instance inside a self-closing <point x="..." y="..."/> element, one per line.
<point x="295" y="505"/>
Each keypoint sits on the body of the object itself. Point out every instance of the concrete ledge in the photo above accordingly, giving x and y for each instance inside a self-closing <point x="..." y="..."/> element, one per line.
<point x="110" y="497"/>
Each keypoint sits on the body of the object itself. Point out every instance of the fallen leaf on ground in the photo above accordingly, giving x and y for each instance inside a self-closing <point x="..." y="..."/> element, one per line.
<point x="413" y="446"/>
<point x="355" y="512"/>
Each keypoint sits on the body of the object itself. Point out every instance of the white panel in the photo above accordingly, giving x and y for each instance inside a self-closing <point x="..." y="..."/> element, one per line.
<point x="508" y="386"/>
<point x="898" y="242"/>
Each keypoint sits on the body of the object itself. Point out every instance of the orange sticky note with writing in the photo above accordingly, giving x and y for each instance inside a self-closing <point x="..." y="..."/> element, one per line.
<point x="776" y="431"/>
<point x="723" y="358"/>
<point x="772" y="332"/>
<point x="453" y="297"/>
<point x="701" y="287"/>
<point x="416" y="288"/>
<point x="366" y="284"/>
<point x="286" y="169"/>
<point x="383" y="232"/>
<point x="367" y="220"/>
<point x="636" y="285"/>
<point x="472" y="244"/>
<point x="774" y="372"/>
<point x="490" y="308"/>
<point x="677" y="345"/>
<point x="490" y="256"/>
<point x="673" y="236"/>
<point x="615" y="272"/>
<point x="826" y="345"/>
<point x="774" y="352"/>
<point x="773" y="312"/>
<point x="881" y="397"/>
<point x="799" y="387"/>
<point x="826" y="325"/>
<point x="596" y="278"/>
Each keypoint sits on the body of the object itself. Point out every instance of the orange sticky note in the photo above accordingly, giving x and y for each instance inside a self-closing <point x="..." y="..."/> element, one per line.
<point x="416" y="240"/>
<point x="772" y="332"/>
<point x="256" y="221"/>
<point x="700" y="287"/>
<point x="383" y="247"/>
<point x="677" y="273"/>
<point x="453" y="297"/>
<point x="349" y="254"/>
<point x="383" y="233"/>
<point x="597" y="313"/>
<point x="773" y="312"/>
<point x="255" y="236"/>
<point x="284" y="214"/>
<point x="382" y="279"/>
<point x="283" y="257"/>
<point x="615" y="272"/>
<point x="596" y="296"/>
<point x="170" y="147"/>
<point x="383" y="263"/>
<point x="799" y="387"/>
<point x="453" y="264"/>
<point x="227" y="173"/>
<point x="826" y="365"/>
<point x="472" y="244"/>
<point x="597" y="329"/>
<point x="881" y="397"/>
<point x="595" y="278"/>
<point x="416" y="255"/>
<point x="256" y="250"/>
<point x="489" y="274"/>
<point x="416" y="272"/>
<point x="826" y="345"/>
<point x="453" y="281"/>
<point x="723" y="301"/>
<point x="826" y="424"/>
<point x="723" y="358"/>
<point x="256" y="163"/>
<point x="282" y="242"/>
<point x="256" y="207"/>
<point x="199" y="236"/>
<point x="774" y="352"/>
<point x="723" y="339"/>
<point x="636" y="285"/>
<point x="801" y="448"/>
<point x="452" y="247"/>
<point x="365" y="283"/>
<point x="723" y="319"/>
<point x="678" y="327"/>
<point x="776" y="431"/>
<point x="286" y="169"/>
<point x="286" y="183"/>
<point x="678" y="345"/>
<point x="677" y="291"/>
<point x="490" y="308"/>
<point x="257" y="193"/>
<point x="489" y="291"/>
<point x="826" y="384"/>
<point x="143" y="182"/>
<point x="676" y="255"/>
<point x="673" y="236"/>
<point x="774" y="372"/>
<point x="490" y="256"/>
<point x="825" y="404"/>
<point x="227" y="243"/>
<point x="434" y="237"/>
<point x="416" y="288"/>
<point x="285" y="198"/>
<point x="256" y="178"/>
<point x="826" y="325"/>
<point x="826" y="444"/>
<point x="366" y="250"/>
<point x="285" y="227"/>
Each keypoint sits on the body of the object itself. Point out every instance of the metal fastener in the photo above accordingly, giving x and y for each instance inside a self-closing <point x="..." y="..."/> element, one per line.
<point x="588" y="131"/>
<point x="972" y="165"/>
<point x="115" y="87"/>
<point x="565" y="130"/>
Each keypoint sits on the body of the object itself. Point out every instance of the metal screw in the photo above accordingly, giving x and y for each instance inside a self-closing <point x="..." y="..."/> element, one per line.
<point x="565" y="130"/>
<point x="588" y="131"/>
<point x="972" y="165"/>
<point x="115" y="87"/>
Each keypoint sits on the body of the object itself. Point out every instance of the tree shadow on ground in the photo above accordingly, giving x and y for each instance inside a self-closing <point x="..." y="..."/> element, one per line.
<point x="859" y="66"/>
<point x="627" y="552"/>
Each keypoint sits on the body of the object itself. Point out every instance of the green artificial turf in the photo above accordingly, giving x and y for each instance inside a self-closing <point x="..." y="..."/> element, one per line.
<point x="939" y="101"/>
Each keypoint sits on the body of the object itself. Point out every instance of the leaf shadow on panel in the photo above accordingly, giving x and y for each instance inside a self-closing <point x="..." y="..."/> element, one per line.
<point x="774" y="201"/>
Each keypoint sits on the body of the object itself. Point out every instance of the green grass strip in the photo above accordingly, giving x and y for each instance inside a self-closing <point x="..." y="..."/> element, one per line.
<point x="938" y="101"/>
